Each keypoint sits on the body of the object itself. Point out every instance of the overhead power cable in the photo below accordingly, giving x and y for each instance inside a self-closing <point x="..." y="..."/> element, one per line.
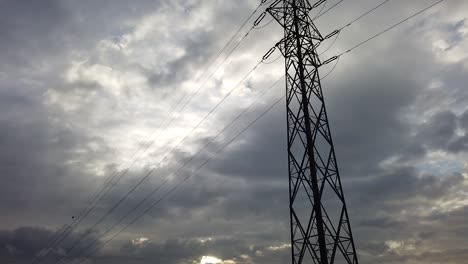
<point x="320" y="12"/>
<point x="219" y="65"/>
<point x="195" y="172"/>
<point x="331" y="45"/>
<point x="338" y="31"/>
<point x="332" y="69"/>
<point x="329" y="9"/>
<point x="365" y="14"/>
<point x="337" y="57"/>
<point x="92" y="204"/>
<point x="390" y="28"/>
<point x="233" y="36"/>
<point x="174" y="174"/>
<point x="266" y="24"/>
<point x="77" y="241"/>
<point x="274" y="60"/>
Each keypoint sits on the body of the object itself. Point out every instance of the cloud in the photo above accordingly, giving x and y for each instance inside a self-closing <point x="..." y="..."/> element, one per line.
<point x="24" y="244"/>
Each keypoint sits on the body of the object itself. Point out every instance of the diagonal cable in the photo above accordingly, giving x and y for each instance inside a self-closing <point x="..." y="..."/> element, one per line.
<point x="195" y="172"/>
<point x="390" y="28"/>
<point x="77" y="241"/>
<point x="329" y="9"/>
<point x="338" y="57"/>
<point x="173" y="175"/>
<point x="92" y="204"/>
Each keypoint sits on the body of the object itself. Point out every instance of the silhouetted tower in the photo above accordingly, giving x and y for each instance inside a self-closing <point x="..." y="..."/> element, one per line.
<point x="320" y="228"/>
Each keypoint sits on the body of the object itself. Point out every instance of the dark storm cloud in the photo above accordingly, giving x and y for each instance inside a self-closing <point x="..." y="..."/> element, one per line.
<point x="365" y="115"/>
<point x="35" y="148"/>
<point x="464" y="120"/>
<point x="460" y="143"/>
<point x="399" y="187"/>
<point x="22" y="245"/>
<point x="33" y="155"/>
<point x="260" y="157"/>
<point x="30" y="28"/>
<point x="439" y="130"/>
<point x="380" y="222"/>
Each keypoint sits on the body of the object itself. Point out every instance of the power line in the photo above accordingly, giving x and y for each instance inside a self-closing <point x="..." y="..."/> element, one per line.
<point x="330" y="8"/>
<point x="173" y="175"/>
<point x="331" y="45"/>
<point x="230" y="52"/>
<point x="173" y="149"/>
<point x="320" y="11"/>
<point x="84" y="213"/>
<point x="274" y="60"/>
<point x="219" y="65"/>
<point x="352" y="22"/>
<point x="332" y="69"/>
<point x="157" y="202"/>
<point x="266" y="24"/>
<point x="233" y="36"/>
<point x="338" y="57"/>
<point x="365" y="14"/>
<point x="391" y="27"/>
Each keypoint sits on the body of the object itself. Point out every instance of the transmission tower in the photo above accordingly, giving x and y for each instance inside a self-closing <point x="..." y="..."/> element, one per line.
<point x="320" y="228"/>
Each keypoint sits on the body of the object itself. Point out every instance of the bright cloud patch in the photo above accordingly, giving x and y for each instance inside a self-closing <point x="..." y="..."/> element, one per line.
<point x="210" y="260"/>
<point x="140" y="241"/>
<point x="399" y="247"/>
<point x="280" y="247"/>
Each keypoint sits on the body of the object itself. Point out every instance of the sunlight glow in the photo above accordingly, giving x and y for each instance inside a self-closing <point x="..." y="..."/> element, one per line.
<point x="210" y="260"/>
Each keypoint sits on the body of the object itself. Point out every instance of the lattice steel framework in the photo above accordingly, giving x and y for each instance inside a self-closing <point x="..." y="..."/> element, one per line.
<point x="320" y="228"/>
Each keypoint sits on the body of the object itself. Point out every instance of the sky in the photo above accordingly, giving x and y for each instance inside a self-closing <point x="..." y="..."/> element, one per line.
<point x="87" y="90"/>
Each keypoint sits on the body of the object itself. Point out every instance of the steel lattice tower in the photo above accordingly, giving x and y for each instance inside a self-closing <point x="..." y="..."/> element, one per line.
<point x="320" y="228"/>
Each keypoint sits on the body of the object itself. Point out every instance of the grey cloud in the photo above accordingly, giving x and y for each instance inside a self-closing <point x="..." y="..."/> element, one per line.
<point x="404" y="184"/>
<point x="366" y="116"/>
<point x="199" y="49"/>
<point x="263" y="156"/>
<point x="380" y="222"/>
<point x="447" y="256"/>
<point x="24" y="244"/>
<point x="33" y="156"/>
<point x="459" y="144"/>
<point x="30" y="28"/>
<point x="439" y="130"/>
<point x="191" y="251"/>
<point x="464" y="120"/>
